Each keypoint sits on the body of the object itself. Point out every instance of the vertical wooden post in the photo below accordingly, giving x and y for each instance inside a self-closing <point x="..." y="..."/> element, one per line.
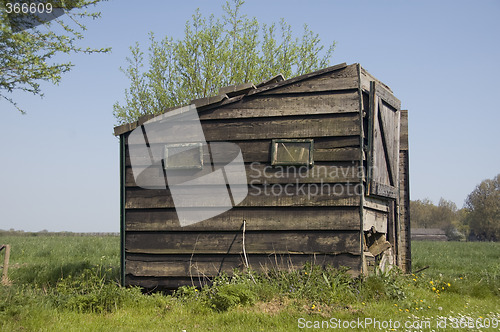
<point x="5" y="279"/>
<point x="122" y="210"/>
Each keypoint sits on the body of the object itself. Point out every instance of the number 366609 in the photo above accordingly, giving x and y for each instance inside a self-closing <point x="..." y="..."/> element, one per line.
<point x="28" y="8"/>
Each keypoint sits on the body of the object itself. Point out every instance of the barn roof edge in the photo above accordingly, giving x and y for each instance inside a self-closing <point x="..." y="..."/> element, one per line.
<point x="234" y="93"/>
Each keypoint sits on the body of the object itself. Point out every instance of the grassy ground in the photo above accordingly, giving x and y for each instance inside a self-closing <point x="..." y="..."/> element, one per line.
<point x="69" y="283"/>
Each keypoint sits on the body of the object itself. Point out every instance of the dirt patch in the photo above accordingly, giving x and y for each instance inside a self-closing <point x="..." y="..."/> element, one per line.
<point x="273" y="307"/>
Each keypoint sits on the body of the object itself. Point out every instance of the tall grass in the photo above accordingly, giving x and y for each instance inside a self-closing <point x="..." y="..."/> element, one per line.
<point x="43" y="259"/>
<point x="474" y="267"/>
<point x="70" y="282"/>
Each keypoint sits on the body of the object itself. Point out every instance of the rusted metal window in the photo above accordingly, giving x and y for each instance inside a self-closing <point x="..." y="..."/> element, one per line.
<point x="297" y="152"/>
<point x="183" y="156"/>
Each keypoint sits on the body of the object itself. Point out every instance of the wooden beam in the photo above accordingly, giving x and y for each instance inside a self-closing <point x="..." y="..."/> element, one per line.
<point x="173" y="271"/>
<point x="283" y="218"/>
<point x="258" y="196"/>
<point x="256" y="174"/>
<point x="257" y="242"/>
<point x="237" y="89"/>
<point x="298" y="78"/>
<point x="345" y="124"/>
<point x="285" y="105"/>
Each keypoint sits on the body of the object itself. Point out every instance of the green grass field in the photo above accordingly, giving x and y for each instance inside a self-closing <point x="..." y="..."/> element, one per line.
<point x="69" y="283"/>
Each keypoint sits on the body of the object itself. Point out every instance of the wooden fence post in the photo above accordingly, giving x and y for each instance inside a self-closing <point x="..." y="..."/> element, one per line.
<point x="5" y="279"/>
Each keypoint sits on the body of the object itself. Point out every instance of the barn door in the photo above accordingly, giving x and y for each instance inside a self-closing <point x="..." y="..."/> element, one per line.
<point x="383" y="143"/>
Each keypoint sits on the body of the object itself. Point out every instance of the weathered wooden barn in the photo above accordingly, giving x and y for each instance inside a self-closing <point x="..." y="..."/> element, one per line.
<point x="326" y="156"/>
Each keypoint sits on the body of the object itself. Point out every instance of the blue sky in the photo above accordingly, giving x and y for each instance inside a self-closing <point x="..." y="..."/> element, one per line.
<point x="59" y="164"/>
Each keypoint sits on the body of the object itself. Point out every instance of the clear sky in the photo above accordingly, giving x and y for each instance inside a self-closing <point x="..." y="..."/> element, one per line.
<point x="59" y="166"/>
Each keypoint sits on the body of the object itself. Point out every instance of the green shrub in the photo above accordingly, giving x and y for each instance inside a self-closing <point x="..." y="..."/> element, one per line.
<point x="91" y="291"/>
<point x="223" y="297"/>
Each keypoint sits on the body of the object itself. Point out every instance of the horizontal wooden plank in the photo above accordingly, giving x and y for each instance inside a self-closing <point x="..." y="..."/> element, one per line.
<point x="275" y="79"/>
<point x="237" y="89"/>
<point x="163" y="283"/>
<point x="256" y="173"/>
<point x="262" y="242"/>
<point x="202" y="102"/>
<point x="330" y="70"/>
<point x="343" y="124"/>
<point x="324" y="83"/>
<point x="268" y="218"/>
<point x="172" y="271"/>
<point x="376" y="203"/>
<point x="278" y="106"/>
<point x="380" y="189"/>
<point x="258" y="196"/>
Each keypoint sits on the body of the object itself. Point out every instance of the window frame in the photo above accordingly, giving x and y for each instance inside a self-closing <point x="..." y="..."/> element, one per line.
<point x="179" y="145"/>
<point x="274" y="152"/>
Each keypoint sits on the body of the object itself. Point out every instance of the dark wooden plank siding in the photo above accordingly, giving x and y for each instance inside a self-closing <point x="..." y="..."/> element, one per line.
<point x="285" y="105"/>
<point x="208" y="266"/>
<point x="323" y="125"/>
<point x="343" y="79"/>
<point x="258" y="196"/>
<point x="283" y="218"/>
<point x="261" y="173"/>
<point x="256" y="242"/>
<point x="172" y="271"/>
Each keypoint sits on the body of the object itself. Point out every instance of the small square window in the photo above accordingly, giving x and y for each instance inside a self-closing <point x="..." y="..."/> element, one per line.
<point x="297" y="152"/>
<point x="183" y="156"/>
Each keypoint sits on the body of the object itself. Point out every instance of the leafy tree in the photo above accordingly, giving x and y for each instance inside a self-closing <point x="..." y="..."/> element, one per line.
<point x="26" y="56"/>
<point x="421" y="212"/>
<point x="214" y="53"/>
<point x="446" y="216"/>
<point x="483" y="207"/>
